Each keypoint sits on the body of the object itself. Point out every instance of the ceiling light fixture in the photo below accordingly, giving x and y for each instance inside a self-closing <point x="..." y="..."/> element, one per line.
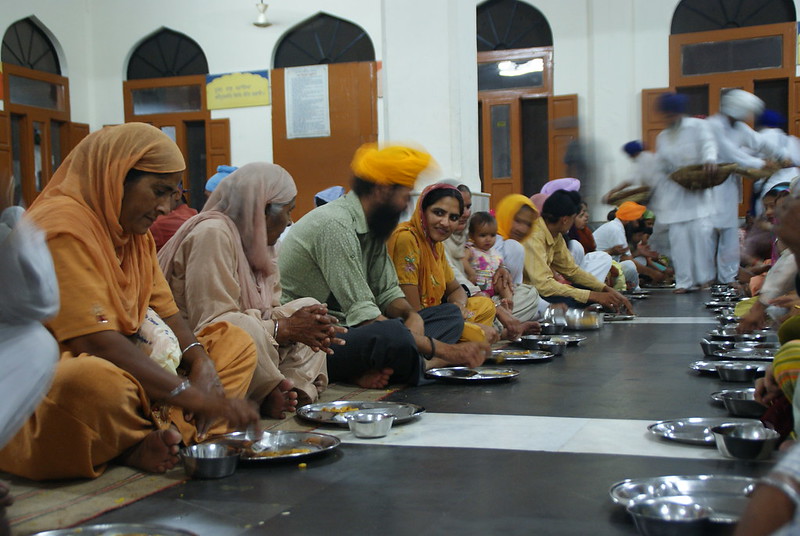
<point x="261" y="20"/>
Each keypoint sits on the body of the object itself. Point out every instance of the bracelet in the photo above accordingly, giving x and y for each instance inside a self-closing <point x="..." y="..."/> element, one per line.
<point x="433" y="348"/>
<point x="275" y="333"/>
<point x="185" y="384"/>
<point x="190" y="347"/>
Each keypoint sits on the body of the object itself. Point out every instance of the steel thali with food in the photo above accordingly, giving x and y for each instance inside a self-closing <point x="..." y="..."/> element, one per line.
<point x="118" y="529"/>
<point x="267" y="446"/>
<point x="333" y="412"/>
<point x="473" y="375"/>
<point x="512" y="355"/>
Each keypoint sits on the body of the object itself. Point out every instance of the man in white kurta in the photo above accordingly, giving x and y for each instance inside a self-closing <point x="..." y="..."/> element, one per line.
<point x="687" y="141"/>
<point x="737" y="143"/>
<point x="612" y="234"/>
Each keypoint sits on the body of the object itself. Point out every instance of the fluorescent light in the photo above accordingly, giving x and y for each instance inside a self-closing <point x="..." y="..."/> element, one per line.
<point x="509" y="68"/>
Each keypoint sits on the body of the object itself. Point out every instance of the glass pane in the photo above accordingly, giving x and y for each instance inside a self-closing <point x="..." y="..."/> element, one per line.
<point x="166" y="100"/>
<point x="16" y="154"/>
<point x="535" y="145"/>
<point x="170" y="132"/>
<point x="30" y="92"/>
<point x="510" y="74"/>
<point x="731" y="56"/>
<point x="38" y="129"/>
<point x="55" y="145"/>
<point x="501" y="141"/>
<point x="698" y="99"/>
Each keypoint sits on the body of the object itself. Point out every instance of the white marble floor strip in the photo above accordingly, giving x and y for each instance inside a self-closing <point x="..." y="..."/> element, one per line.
<point x="521" y="432"/>
<point x="674" y="320"/>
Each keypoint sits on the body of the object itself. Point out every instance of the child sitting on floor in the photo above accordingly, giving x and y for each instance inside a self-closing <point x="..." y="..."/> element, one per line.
<point x="482" y="260"/>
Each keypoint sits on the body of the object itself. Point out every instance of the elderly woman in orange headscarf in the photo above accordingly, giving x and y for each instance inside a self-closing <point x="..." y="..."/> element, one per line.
<point x="222" y="265"/>
<point x="133" y="382"/>
<point x="424" y="274"/>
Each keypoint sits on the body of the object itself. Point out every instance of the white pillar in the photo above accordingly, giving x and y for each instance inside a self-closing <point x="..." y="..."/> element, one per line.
<point x="430" y="82"/>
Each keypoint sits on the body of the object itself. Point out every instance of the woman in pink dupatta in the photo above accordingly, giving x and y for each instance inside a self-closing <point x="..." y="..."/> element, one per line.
<point x="222" y="265"/>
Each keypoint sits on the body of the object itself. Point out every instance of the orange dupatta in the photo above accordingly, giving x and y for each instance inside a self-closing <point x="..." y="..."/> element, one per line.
<point x="83" y="202"/>
<point x="419" y="260"/>
<point x="506" y="211"/>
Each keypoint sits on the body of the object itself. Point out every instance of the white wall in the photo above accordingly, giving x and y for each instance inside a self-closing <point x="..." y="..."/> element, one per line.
<point x="606" y="51"/>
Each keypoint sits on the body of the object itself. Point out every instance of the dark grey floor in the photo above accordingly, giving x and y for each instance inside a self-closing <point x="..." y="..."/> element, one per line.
<point x="623" y="371"/>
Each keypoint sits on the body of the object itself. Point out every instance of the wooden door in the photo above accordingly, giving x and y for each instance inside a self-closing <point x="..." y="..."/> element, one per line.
<point x="501" y="140"/>
<point x="563" y="130"/>
<point x="318" y="163"/>
<point x="653" y="121"/>
<point x="6" y="160"/>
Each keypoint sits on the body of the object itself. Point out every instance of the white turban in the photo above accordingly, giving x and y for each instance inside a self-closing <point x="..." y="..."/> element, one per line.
<point x="740" y="104"/>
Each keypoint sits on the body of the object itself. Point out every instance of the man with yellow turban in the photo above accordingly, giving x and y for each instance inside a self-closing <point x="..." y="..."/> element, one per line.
<point x="337" y="254"/>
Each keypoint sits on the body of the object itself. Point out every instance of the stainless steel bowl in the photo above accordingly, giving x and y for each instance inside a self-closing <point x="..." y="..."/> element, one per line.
<point x="549" y="328"/>
<point x="531" y="342"/>
<point x="369" y="425"/>
<point x="745" y="441"/>
<point x="724" y="320"/>
<point x="554" y="347"/>
<point x="742" y="403"/>
<point x="663" y="517"/>
<point x="712" y="347"/>
<point x="209" y="460"/>
<point x="739" y="372"/>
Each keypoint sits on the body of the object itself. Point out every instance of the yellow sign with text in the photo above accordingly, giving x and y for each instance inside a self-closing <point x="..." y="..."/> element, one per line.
<point x="237" y="90"/>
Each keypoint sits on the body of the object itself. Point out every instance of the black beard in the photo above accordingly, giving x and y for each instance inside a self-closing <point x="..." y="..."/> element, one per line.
<point x="382" y="221"/>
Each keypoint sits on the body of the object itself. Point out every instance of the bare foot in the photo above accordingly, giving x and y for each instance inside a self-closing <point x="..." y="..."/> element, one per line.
<point x="374" y="379"/>
<point x="302" y="398"/>
<point x="681" y="291"/>
<point x="156" y="453"/>
<point x="280" y="400"/>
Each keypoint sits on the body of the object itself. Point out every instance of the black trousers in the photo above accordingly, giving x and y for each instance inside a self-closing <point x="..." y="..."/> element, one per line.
<point x="389" y="344"/>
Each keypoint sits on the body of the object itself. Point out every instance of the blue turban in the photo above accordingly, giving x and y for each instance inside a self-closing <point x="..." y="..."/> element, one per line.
<point x="772" y="119"/>
<point x="222" y="172"/>
<point x="327" y="195"/>
<point x="673" y="103"/>
<point x="633" y="147"/>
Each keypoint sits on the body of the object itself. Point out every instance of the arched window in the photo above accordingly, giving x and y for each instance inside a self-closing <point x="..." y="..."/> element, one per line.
<point x="166" y="54"/>
<point x="323" y="39"/>
<point x="26" y="45"/>
<point x="37" y="106"/>
<point x="704" y="15"/>
<point x="510" y="24"/>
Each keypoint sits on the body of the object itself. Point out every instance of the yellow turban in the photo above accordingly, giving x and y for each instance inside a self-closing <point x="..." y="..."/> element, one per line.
<point x="391" y="165"/>
<point x="507" y="210"/>
<point x="630" y="211"/>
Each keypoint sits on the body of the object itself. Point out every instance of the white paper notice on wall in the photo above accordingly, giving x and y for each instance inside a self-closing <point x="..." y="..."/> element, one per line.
<point x="307" y="108"/>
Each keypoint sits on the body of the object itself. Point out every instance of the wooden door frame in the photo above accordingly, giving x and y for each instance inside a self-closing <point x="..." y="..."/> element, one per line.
<point x="29" y="115"/>
<point x="716" y="82"/>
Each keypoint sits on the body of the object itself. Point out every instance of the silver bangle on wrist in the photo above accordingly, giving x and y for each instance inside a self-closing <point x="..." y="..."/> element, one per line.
<point x="275" y="332"/>
<point x="783" y="486"/>
<point x="185" y="384"/>
<point x="190" y="347"/>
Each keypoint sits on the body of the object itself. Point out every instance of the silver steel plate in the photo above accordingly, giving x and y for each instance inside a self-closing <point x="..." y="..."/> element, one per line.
<point x="333" y="412"/>
<point x="693" y="430"/>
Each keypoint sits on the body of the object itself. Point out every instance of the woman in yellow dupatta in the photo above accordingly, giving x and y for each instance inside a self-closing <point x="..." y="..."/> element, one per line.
<point x="123" y="389"/>
<point x="424" y="274"/>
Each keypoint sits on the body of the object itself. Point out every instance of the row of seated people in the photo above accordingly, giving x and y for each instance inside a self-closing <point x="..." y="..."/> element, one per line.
<point x="219" y="329"/>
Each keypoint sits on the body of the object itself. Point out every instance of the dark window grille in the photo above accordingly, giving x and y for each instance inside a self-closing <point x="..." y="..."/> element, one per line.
<point x="705" y="15"/>
<point x="323" y="39"/>
<point x="510" y="24"/>
<point x="166" y="54"/>
<point x="26" y="45"/>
